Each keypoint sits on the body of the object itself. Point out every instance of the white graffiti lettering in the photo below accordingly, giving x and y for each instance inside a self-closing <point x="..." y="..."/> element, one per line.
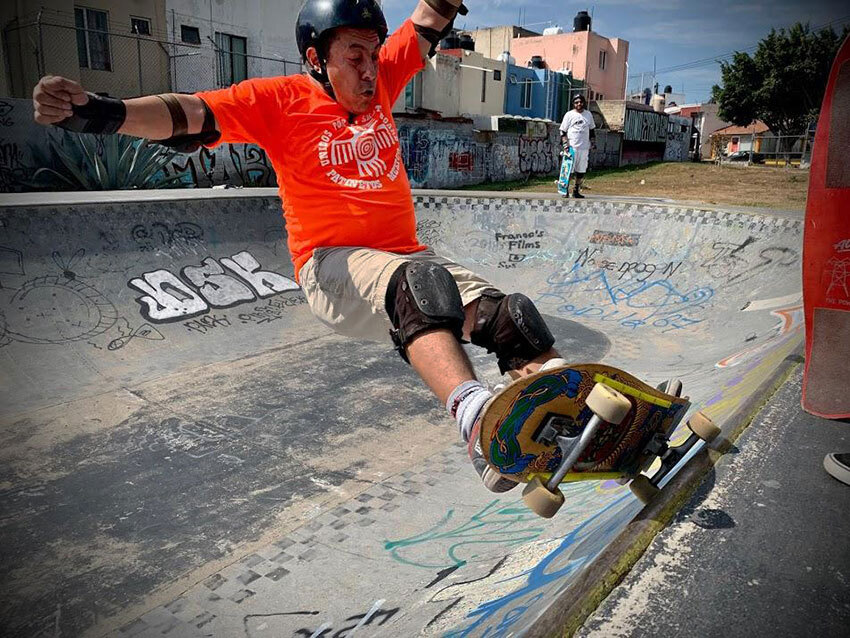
<point x="166" y="297"/>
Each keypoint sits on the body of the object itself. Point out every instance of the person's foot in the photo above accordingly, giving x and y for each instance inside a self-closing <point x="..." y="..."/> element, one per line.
<point x="492" y="480"/>
<point x="838" y="466"/>
<point x="577" y="194"/>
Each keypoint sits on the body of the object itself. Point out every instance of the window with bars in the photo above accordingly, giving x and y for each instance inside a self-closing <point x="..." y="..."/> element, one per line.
<point x="603" y="59"/>
<point x="525" y="96"/>
<point x="92" y="39"/>
<point x="232" y="58"/>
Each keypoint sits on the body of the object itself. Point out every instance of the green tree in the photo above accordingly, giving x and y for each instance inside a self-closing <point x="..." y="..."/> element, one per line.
<point x="782" y="83"/>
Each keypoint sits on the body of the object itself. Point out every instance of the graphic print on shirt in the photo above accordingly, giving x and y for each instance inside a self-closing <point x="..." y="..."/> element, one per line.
<point x="347" y="148"/>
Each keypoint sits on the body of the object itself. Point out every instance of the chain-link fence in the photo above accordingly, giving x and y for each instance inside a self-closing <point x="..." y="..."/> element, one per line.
<point x="125" y="64"/>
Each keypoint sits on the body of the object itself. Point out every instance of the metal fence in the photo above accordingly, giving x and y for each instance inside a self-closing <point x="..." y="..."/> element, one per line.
<point x="767" y="149"/>
<point x="125" y="64"/>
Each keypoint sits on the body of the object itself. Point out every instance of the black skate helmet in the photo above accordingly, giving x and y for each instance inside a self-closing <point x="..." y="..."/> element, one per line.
<point x="318" y="18"/>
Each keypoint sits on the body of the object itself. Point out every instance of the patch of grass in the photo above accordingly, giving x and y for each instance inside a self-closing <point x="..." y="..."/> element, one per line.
<point x="757" y="186"/>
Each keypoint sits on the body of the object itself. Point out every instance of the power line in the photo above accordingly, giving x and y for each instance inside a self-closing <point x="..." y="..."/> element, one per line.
<point x="718" y="58"/>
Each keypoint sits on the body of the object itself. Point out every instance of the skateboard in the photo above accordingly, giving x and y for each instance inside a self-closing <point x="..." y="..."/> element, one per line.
<point x="826" y="253"/>
<point x="566" y="170"/>
<point x="586" y="422"/>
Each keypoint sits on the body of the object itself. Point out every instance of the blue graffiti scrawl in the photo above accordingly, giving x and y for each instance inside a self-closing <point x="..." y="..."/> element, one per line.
<point x="658" y="303"/>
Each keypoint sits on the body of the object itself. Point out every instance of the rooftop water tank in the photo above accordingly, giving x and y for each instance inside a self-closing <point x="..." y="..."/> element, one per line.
<point x="556" y="30"/>
<point x="451" y="41"/>
<point x="466" y="42"/>
<point x="506" y="56"/>
<point x="582" y="21"/>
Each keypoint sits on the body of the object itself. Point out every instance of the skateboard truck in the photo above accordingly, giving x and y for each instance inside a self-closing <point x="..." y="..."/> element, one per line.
<point x="608" y="406"/>
<point x="571" y="446"/>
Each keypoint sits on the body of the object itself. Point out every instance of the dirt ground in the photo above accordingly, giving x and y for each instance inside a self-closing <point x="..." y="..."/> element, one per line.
<point x="759" y="186"/>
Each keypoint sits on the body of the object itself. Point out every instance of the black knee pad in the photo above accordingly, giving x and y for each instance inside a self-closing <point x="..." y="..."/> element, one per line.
<point x="512" y="327"/>
<point x="422" y="296"/>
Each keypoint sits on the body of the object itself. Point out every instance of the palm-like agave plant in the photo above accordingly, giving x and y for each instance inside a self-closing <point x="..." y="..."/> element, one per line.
<point x="102" y="162"/>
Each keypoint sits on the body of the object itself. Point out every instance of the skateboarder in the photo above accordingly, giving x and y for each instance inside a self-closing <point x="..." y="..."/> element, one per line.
<point x="577" y="132"/>
<point x="346" y="197"/>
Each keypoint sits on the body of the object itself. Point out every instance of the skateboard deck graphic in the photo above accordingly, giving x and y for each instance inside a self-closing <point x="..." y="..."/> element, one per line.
<point x="516" y="414"/>
<point x="566" y="171"/>
<point x="585" y="422"/>
<point x="826" y="253"/>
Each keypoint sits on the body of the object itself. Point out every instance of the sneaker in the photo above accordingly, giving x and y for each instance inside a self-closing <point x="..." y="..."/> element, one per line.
<point x="577" y="195"/>
<point x="838" y="466"/>
<point x="492" y="480"/>
<point x="555" y="362"/>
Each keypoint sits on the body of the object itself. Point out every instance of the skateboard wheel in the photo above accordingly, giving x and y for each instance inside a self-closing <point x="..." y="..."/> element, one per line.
<point x="608" y="404"/>
<point x="703" y="427"/>
<point x="540" y="500"/>
<point x="643" y="489"/>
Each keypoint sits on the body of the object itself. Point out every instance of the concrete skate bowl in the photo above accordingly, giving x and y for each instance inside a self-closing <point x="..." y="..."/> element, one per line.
<point x="186" y="449"/>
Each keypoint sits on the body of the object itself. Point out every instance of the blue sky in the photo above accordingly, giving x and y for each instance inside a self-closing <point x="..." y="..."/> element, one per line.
<point x="674" y="32"/>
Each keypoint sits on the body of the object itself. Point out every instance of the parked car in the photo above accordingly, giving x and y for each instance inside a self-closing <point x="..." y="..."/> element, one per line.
<point x="744" y="156"/>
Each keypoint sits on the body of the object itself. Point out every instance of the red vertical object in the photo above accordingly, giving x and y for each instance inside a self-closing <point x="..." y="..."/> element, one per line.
<point x="826" y="253"/>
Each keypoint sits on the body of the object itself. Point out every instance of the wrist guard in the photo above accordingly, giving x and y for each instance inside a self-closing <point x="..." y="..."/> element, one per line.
<point x="446" y="10"/>
<point x="101" y="115"/>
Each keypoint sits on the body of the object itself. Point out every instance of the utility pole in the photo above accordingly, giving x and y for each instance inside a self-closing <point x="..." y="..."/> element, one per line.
<point x="654" y="67"/>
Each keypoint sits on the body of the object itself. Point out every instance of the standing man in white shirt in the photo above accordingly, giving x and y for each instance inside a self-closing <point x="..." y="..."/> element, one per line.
<point x="577" y="132"/>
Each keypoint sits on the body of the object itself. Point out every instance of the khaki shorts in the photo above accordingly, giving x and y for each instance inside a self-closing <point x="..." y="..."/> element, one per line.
<point x="580" y="160"/>
<point x="346" y="287"/>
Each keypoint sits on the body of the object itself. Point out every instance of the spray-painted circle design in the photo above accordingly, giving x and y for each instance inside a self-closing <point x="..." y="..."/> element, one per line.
<point x="56" y="309"/>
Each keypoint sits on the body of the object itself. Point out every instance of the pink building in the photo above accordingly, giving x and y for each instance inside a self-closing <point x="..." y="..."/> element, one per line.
<point x="599" y="61"/>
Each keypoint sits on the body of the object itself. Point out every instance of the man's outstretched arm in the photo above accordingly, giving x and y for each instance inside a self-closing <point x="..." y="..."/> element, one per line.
<point x="433" y="20"/>
<point x="63" y="102"/>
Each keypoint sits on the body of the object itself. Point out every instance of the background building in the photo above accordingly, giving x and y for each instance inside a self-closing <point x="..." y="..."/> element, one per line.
<point x="133" y="47"/>
<point x="644" y="130"/>
<point x="111" y="46"/>
<point x="705" y="121"/>
<point x="457" y="82"/>
<point x="216" y="43"/>
<point x="541" y="93"/>
<point x="493" y="41"/>
<point x="599" y="61"/>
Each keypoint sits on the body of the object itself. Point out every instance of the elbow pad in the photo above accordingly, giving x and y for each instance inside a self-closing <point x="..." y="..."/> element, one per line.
<point x="101" y="115"/>
<point x="180" y="139"/>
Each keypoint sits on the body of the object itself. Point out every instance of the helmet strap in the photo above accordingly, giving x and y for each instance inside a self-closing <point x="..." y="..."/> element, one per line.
<point x="321" y="75"/>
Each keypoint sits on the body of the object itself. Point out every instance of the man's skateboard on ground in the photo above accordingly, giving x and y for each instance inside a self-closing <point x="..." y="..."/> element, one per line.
<point x="585" y="422"/>
<point x="566" y="171"/>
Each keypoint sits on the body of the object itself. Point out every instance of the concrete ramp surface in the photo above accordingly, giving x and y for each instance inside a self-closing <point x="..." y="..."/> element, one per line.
<point x="186" y="451"/>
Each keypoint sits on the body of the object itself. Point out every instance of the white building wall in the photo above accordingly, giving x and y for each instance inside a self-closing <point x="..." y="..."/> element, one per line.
<point x="268" y="26"/>
<point x="474" y="70"/>
<point x="436" y="88"/>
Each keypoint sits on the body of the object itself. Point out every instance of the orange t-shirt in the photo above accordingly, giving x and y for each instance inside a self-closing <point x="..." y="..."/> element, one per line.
<point x="341" y="183"/>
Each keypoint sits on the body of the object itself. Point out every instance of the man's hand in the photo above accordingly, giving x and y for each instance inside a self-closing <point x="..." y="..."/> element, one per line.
<point x="53" y="97"/>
